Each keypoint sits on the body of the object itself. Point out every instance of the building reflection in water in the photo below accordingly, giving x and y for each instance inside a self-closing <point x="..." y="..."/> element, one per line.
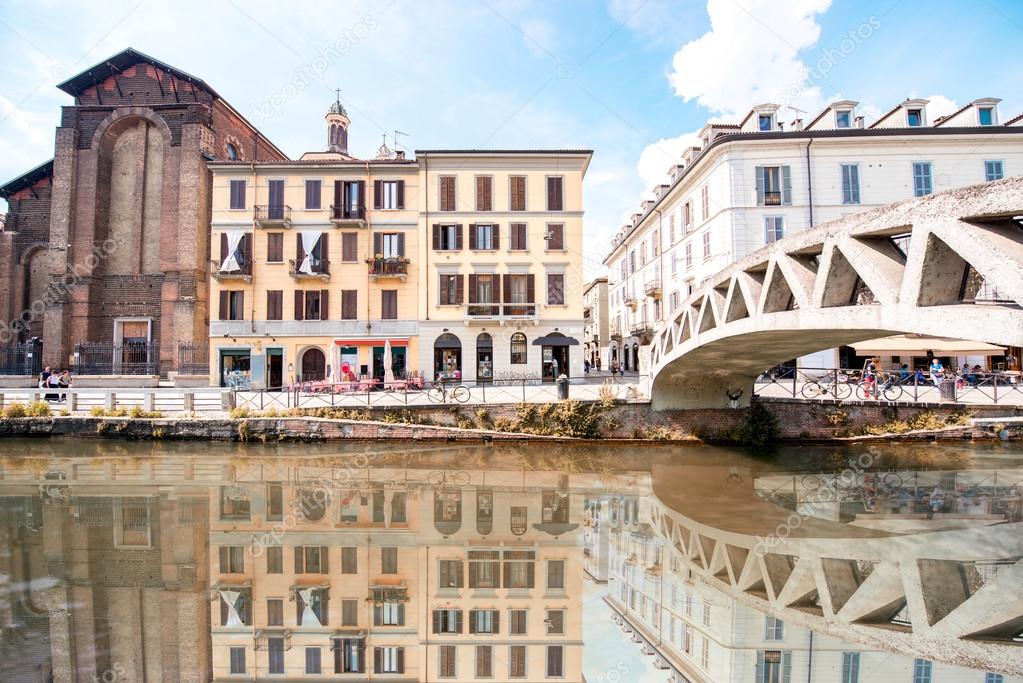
<point x="384" y="566"/>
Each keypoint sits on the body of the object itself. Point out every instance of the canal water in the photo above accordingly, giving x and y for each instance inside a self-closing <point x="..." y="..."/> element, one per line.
<point x="130" y="561"/>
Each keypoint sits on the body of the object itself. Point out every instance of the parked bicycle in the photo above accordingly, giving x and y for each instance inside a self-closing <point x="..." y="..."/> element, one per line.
<point x="826" y="386"/>
<point x="442" y="393"/>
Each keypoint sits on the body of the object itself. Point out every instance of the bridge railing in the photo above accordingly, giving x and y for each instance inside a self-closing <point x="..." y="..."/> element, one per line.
<point x="849" y="384"/>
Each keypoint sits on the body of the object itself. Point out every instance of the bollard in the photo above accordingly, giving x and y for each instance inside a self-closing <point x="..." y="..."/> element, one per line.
<point x="72" y="401"/>
<point x="227" y="401"/>
<point x="189" y="402"/>
<point x="562" y="387"/>
<point x="110" y="400"/>
<point x="148" y="401"/>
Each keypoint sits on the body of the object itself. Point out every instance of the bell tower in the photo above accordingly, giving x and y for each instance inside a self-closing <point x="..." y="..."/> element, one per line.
<point x="337" y="127"/>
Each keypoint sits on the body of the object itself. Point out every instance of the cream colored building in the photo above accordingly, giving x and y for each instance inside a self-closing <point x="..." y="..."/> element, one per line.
<point x="596" y="324"/>
<point x="460" y="265"/>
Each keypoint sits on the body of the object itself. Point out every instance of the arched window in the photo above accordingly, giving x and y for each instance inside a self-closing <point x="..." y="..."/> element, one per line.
<point x="232" y="152"/>
<point x="518" y="349"/>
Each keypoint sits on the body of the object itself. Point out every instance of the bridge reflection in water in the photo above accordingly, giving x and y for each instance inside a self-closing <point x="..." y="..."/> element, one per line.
<point x="173" y="562"/>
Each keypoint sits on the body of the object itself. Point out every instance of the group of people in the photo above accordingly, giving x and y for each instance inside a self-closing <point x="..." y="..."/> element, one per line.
<point x="936" y="374"/>
<point x="48" y="379"/>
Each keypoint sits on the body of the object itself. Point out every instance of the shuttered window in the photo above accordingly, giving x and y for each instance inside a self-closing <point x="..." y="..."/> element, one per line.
<point x="517" y="619"/>
<point x="349" y="247"/>
<point x="451" y="289"/>
<point x="555" y="237"/>
<point x="237" y="660"/>
<point x="349" y="560"/>
<point x="389" y="660"/>
<point x="389" y="304"/>
<point x="274" y="304"/>
<point x="388" y="194"/>
<point x="232" y="305"/>
<point x="484" y="237"/>
<point x="349" y="655"/>
<point x="312" y="660"/>
<point x="517" y="661"/>
<point x="517" y="237"/>
<point x="447" y="237"/>
<point x="313" y="192"/>
<point x="389" y="560"/>
<point x="484" y="661"/>
<point x="275" y="612"/>
<point x="275" y="560"/>
<point x="237" y="194"/>
<point x="275" y="655"/>
<point x="517" y="193"/>
<point x="447" y="193"/>
<point x="555" y="622"/>
<point x="446" y="663"/>
<point x="447" y="621"/>
<point x="311" y="560"/>
<point x="773" y="185"/>
<point x="555" y="193"/>
<point x="312" y="304"/>
<point x="450" y="574"/>
<point x="922" y="179"/>
<point x="555" y="661"/>
<point x="555" y="289"/>
<point x="349" y="304"/>
<point x="484" y="193"/>
<point x="556" y="574"/>
<point x="275" y="247"/>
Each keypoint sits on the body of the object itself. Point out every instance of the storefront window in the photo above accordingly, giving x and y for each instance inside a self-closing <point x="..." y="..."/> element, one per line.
<point x="447" y="357"/>
<point x="518" y="349"/>
<point x="235" y="368"/>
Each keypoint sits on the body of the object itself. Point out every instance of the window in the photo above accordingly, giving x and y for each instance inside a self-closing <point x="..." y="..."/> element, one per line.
<point x="235" y="502"/>
<point x="765" y="122"/>
<point x="843" y="118"/>
<point x="232" y="155"/>
<point x="850" y="183"/>
<point x="389" y="614"/>
<point x="447" y="621"/>
<point x="705" y="202"/>
<point x="483" y="237"/>
<point x="484" y="569"/>
<point x="311" y="559"/>
<point x="232" y="559"/>
<point x="349" y="655"/>
<point x="555" y="289"/>
<point x="774" y="229"/>
<point x="774" y="666"/>
<point x="671" y="228"/>
<point x="237" y="194"/>
<point x="237" y="660"/>
<point x="993" y="170"/>
<point x="689" y="255"/>
<point x="922" y="179"/>
<point x="774" y="628"/>
<point x="232" y="304"/>
<point x="484" y="193"/>
<point x="517" y="661"/>
<point x="676" y="300"/>
<point x="274" y="304"/>
<point x="517" y="617"/>
<point x="274" y="502"/>
<point x="312" y="660"/>
<point x="986" y="116"/>
<point x="389" y="244"/>
<point x="275" y="655"/>
<point x="349" y="304"/>
<point x="275" y="247"/>
<point x="915" y="117"/>
<point x="674" y="263"/>
<point x="275" y="560"/>
<point x="555" y="661"/>
<point x="349" y="560"/>
<point x="517" y="237"/>
<point x="518" y="349"/>
<point x="389" y="194"/>
<point x="687" y="639"/>
<point x="556" y="574"/>
<point x="687" y="218"/>
<point x="705" y="652"/>
<point x="555" y="193"/>
<point x="349" y="612"/>
<point x="484" y="621"/>
<point x="447" y="237"/>
<point x="850" y="667"/>
<point x="484" y="661"/>
<point x="446" y="661"/>
<point x="389" y="660"/>
<point x="450" y="291"/>
<point x="519" y="519"/>
<point x="389" y="560"/>
<point x="312" y="194"/>
<point x="921" y="671"/>
<point x="313" y="304"/>
<point x="519" y="568"/>
<point x="706" y="245"/>
<point x="555" y="237"/>
<point x="774" y="185"/>
<point x="389" y="304"/>
<point x="555" y="622"/>
<point x="517" y="193"/>
<point x="447" y="193"/>
<point x="994" y="678"/>
<point x="349" y="247"/>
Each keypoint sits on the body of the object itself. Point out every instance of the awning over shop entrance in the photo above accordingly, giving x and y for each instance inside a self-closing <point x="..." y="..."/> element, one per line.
<point x="370" y="342"/>
<point x="916" y="344"/>
<point x="555" y="340"/>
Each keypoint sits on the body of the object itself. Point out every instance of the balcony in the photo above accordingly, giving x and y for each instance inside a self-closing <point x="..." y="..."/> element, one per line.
<point x="652" y="288"/>
<point x="243" y="272"/>
<point x="616" y="331"/>
<point x="314" y="269"/>
<point x="641" y="328"/>
<point x="348" y="216"/>
<point x="500" y="313"/>
<point x="272" y="216"/>
<point x="631" y="300"/>
<point x="380" y="268"/>
<point x="772" y="198"/>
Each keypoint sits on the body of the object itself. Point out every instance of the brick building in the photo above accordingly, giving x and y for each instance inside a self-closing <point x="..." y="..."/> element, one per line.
<point x="108" y="242"/>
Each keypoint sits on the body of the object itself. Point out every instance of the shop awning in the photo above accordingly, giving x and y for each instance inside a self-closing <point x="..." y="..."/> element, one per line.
<point x="555" y="340"/>
<point x="919" y="345"/>
<point x="370" y="342"/>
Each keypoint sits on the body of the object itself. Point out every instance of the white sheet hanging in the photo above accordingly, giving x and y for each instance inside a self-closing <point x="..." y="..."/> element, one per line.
<point x="231" y="264"/>
<point x="309" y="241"/>
<point x="309" y="617"/>
<point x="231" y="599"/>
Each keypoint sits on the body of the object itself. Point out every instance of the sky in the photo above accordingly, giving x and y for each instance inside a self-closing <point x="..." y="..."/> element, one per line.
<point x="632" y="80"/>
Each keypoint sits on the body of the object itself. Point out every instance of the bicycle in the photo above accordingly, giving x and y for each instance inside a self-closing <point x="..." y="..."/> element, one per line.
<point x="881" y="385"/>
<point x="816" y="388"/>
<point x="440" y="393"/>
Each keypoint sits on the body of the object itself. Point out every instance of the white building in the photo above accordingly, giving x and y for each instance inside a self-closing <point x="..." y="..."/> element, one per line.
<point x="595" y="323"/>
<point x="752" y="183"/>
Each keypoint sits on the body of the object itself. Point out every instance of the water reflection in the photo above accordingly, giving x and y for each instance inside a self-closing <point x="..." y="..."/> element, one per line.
<point x="174" y="562"/>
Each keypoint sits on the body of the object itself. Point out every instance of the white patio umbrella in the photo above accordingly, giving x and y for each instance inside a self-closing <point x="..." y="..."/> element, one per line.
<point x="388" y="371"/>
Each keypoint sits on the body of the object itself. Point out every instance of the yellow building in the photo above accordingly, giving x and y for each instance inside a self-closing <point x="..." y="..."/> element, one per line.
<point x="322" y="267"/>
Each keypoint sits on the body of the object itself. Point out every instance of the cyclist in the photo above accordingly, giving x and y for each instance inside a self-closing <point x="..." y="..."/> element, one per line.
<point x="870" y="377"/>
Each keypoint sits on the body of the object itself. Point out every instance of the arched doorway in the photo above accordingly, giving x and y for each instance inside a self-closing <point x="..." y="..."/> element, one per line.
<point x="484" y="358"/>
<point x="314" y="365"/>
<point x="635" y="357"/>
<point x="554" y="357"/>
<point x="447" y="357"/>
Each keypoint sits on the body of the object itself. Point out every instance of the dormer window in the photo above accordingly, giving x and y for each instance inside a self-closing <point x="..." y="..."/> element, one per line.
<point x="915" y="117"/>
<point x="843" y="118"/>
<point x="986" y="116"/>
<point x="765" y="122"/>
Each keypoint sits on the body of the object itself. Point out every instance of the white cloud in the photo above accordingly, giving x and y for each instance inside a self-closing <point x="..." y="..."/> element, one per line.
<point x="938" y="106"/>
<point x="658" y="158"/>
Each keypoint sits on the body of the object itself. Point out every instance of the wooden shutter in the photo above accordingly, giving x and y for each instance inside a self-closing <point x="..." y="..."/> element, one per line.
<point x="436" y="237"/>
<point x="324" y="315"/>
<point x="473" y="287"/>
<point x="472" y="236"/>
<point x="458" y="237"/>
<point x="507" y="288"/>
<point x="530" y="566"/>
<point x="349" y="246"/>
<point x="299" y="559"/>
<point x="223" y="248"/>
<point x="325" y="252"/>
<point x="447" y="193"/>
<point x="436" y="620"/>
<point x="518" y="193"/>
<point x="378" y="660"/>
<point x="225" y="304"/>
<point x="497" y="621"/>
<point x="378" y="614"/>
<point x="557" y="237"/>
<point x="336" y="208"/>
<point x="299" y="304"/>
<point x="472" y="620"/>
<point x="324" y="595"/>
<point x="378" y="193"/>
<point x="496" y="236"/>
<point x="224" y="561"/>
<point x="786" y="185"/>
<point x="531" y="299"/>
<point x="401" y="194"/>
<point x="401" y="659"/>
<point x="246" y="249"/>
<point x="759" y="175"/>
<point x="554" y="193"/>
<point x="401" y="244"/>
<point x="401" y="614"/>
<point x="459" y="289"/>
<point x="458" y="616"/>
<point x="361" y="184"/>
<point x="299" y="250"/>
<point x="378" y="244"/>
<point x="473" y="580"/>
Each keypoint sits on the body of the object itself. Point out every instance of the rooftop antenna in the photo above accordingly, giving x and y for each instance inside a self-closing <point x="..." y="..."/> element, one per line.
<point x="396" y="142"/>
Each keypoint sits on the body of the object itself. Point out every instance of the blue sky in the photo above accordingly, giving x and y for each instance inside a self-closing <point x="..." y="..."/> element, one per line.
<point x="631" y="79"/>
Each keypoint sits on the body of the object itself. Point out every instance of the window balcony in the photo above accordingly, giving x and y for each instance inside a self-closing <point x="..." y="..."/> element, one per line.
<point x="500" y="313"/>
<point x="380" y="268"/>
<point x="348" y="216"/>
<point x="641" y="328"/>
<point x="272" y="216"/>
<point x="316" y="269"/>
<point x="243" y="272"/>
<point x="631" y="300"/>
<point x="772" y="198"/>
<point x="616" y="331"/>
<point x="652" y="288"/>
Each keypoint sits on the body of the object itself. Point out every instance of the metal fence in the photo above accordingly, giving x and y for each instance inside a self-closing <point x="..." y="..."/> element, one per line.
<point x="22" y="359"/>
<point x="193" y="358"/>
<point x="845" y="384"/>
<point x="131" y="358"/>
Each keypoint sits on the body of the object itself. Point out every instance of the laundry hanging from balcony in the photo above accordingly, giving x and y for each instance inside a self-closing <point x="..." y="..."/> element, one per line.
<point x="233" y="262"/>
<point x="233" y="601"/>
<point x="309" y="241"/>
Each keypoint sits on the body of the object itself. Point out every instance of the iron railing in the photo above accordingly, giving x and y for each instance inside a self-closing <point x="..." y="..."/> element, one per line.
<point x="272" y="214"/>
<point x="130" y="358"/>
<point x="193" y="358"/>
<point x="319" y="267"/>
<point x="347" y="213"/>
<point x="772" y="198"/>
<point x="216" y="269"/>
<point x="22" y="359"/>
<point x="382" y="267"/>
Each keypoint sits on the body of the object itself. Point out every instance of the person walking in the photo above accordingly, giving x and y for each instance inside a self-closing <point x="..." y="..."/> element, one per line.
<point x="598" y="363"/>
<point x="53" y="383"/>
<point x="65" y="383"/>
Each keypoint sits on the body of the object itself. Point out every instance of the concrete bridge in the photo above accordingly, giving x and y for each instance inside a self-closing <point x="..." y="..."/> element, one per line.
<point x="912" y="267"/>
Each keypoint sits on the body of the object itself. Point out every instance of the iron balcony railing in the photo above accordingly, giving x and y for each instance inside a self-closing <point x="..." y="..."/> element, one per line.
<point x="772" y="198"/>
<point x="388" y="267"/>
<point x="317" y="268"/>
<point x="22" y="359"/>
<point x="104" y="358"/>
<point x="272" y="214"/>
<point x="345" y="213"/>
<point x="652" y="287"/>
<point x="641" y="327"/>
<point x="496" y="310"/>
<point x="216" y="270"/>
<point x="193" y="358"/>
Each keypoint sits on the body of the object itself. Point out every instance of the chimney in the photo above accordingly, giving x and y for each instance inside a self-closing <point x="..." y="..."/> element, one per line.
<point x="797" y="124"/>
<point x="399" y="155"/>
<point x="858" y="121"/>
